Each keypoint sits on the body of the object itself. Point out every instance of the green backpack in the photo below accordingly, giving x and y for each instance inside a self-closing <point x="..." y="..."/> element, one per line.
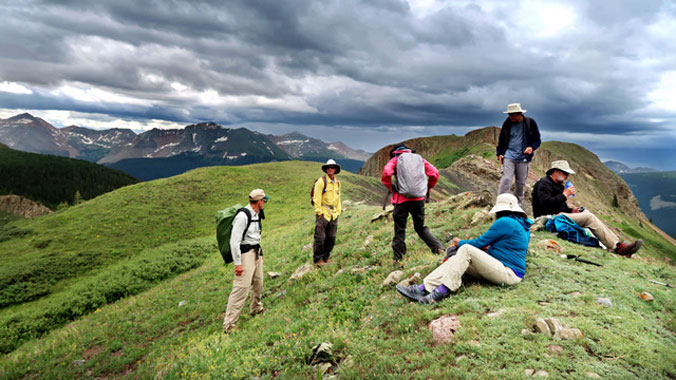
<point x="224" y="219"/>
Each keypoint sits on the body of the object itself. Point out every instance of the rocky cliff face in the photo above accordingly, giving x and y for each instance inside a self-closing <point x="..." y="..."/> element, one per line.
<point x="17" y="205"/>
<point x="474" y="168"/>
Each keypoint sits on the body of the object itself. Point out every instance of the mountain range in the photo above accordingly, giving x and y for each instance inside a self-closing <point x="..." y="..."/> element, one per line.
<point x="164" y="152"/>
<point x="619" y="167"/>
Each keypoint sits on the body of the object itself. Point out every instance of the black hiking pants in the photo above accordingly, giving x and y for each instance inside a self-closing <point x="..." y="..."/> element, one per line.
<point x="400" y="215"/>
<point x="325" y="238"/>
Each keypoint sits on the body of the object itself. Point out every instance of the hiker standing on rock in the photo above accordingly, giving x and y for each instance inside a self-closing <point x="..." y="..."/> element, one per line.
<point x="549" y="198"/>
<point x="519" y="137"/>
<point x="326" y="200"/>
<point x="504" y="262"/>
<point x="248" y="258"/>
<point x="414" y="178"/>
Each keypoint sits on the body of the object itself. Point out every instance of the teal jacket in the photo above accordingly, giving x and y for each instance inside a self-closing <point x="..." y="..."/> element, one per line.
<point x="507" y="240"/>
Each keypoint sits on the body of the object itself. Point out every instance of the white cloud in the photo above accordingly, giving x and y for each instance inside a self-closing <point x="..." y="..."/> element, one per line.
<point x="657" y="203"/>
<point x="14" y="88"/>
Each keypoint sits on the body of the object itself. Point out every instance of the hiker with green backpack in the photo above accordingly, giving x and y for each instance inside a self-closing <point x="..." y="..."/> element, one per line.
<point x="325" y="197"/>
<point x="244" y="249"/>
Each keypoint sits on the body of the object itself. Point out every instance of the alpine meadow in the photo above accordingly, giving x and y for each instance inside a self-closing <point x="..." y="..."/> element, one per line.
<point x="130" y="284"/>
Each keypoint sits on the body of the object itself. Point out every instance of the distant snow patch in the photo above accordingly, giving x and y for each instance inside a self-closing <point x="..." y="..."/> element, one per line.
<point x="243" y="154"/>
<point x="197" y="149"/>
<point x="221" y="139"/>
<point x="166" y="146"/>
<point x="657" y="203"/>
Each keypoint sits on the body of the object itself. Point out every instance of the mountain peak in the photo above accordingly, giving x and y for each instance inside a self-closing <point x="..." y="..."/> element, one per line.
<point x="204" y="125"/>
<point x="23" y="116"/>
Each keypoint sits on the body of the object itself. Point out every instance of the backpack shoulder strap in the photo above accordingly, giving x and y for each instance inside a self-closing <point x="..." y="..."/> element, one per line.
<point x="248" y="219"/>
<point x="324" y="190"/>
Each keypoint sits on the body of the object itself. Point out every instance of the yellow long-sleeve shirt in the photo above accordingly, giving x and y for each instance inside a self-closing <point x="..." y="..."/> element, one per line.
<point x="327" y="203"/>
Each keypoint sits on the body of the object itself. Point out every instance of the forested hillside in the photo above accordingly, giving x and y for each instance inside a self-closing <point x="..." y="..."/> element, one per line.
<point x="51" y="180"/>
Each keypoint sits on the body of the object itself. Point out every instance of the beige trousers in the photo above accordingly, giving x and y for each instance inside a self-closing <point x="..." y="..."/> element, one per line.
<point x="588" y="220"/>
<point x="251" y="279"/>
<point x="474" y="262"/>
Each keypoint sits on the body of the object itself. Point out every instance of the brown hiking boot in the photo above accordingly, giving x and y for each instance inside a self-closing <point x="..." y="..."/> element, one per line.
<point x="626" y="249"/>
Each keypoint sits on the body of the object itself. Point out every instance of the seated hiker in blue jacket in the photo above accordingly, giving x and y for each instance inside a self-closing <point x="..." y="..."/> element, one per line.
<point x="504" y="262"/>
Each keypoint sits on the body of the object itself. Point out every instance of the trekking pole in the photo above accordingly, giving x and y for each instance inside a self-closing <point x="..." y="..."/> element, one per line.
<point x="577" y="258"/>
<point x="427" y="196"/>
<point x="663" y="284"/>
<point x="387" y="197"/>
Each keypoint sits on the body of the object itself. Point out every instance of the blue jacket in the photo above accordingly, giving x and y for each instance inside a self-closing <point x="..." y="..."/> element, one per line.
<point x="508" y="239"/>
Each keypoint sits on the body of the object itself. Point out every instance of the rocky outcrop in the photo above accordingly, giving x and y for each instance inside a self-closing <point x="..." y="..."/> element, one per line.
<point x="15" y="204"/>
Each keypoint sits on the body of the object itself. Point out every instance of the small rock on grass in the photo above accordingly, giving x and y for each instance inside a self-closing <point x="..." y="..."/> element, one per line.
<point x="393" y="277"/>
<point x="182" y="303"/>
<point x="554" y="325"/>
<point x="302" y="271"/>
<point x="550" y="245"/>
<point x="444" y="328"/>
<point x="495" y="314"/>
<point x="592" y="375"/>
<point x="541" y="373"/>
<point x="307" y="246"/>
<point x="78" y="363"/>
<point x="411" y="280"/>
<point x="568" y="333"/>
<point x="575" y="294"/>
<point x="274" y="274"/>
<point x="604" y="302"/>
<point x="529" y="372"/>
<point x="646" y="296"/>
<point x="542" y="327"/>
<point x="554" y="349"/>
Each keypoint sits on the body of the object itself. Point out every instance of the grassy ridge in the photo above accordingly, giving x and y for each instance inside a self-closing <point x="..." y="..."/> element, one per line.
<point x="49" y="258"/>
<point x="375" y="332"/>
<point x="51" y="180"/>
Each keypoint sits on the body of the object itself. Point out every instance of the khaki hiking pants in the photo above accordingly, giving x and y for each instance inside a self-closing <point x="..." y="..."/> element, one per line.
<point x="251" y="279"/>
<point x="474" y="262"/>
<point x="586" y="219"/>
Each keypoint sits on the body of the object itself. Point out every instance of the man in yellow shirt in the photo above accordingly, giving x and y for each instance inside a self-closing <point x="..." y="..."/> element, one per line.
<point x="326" y="200"/>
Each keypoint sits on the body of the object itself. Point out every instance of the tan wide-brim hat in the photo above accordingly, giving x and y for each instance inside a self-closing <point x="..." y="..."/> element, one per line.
<point x="331" y="163"/>
<point x="507" y="202"/>
<point x="560" y="165"/>
<point x="515" y="108"/>
<point x="257" y="195"/>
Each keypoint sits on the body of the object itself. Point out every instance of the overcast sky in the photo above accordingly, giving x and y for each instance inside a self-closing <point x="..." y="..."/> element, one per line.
<point x="598" y="73"/>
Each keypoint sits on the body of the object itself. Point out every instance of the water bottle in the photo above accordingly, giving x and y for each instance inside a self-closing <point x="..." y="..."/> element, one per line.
<point x="567" y="185"/>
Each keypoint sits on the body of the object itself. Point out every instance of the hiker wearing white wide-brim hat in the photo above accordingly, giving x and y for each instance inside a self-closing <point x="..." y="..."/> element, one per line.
<point x="504" y="262"/>
<point x="519" y="138"/>
<point x="550" y="197"/>
<point x="326" y="201"/>
<point x="507" y="202"/>
<point x="331" y="164"/>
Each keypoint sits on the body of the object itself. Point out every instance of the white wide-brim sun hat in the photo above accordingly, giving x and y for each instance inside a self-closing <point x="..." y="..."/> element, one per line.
<point x="507" y="202"/>
<point x="515" y="108"/>
<point x="329" y="164"/>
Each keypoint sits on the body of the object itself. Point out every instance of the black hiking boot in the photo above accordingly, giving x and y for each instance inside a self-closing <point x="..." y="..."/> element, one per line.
<point x="626" y="249"/>
<point x="433" y="297"/>
<point x="411" y="292"/>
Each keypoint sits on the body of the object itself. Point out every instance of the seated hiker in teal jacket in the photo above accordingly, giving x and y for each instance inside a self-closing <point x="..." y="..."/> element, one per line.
<point x="504" y="262"/>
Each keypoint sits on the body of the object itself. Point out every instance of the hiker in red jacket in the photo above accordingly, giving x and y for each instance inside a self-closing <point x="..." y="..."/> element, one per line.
<point x="414" y="177"/>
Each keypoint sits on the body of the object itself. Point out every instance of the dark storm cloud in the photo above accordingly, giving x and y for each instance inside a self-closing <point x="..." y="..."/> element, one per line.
<point x="346" y="62"/>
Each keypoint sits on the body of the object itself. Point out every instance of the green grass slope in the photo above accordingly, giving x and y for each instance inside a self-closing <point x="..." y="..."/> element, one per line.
<point x="51" y="180"/>
<point x="67" y="264"/>
<point x="375" y="333"/>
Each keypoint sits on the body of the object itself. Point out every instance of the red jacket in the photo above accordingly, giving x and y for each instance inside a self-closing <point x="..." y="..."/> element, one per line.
<point x="432" y="178"/>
